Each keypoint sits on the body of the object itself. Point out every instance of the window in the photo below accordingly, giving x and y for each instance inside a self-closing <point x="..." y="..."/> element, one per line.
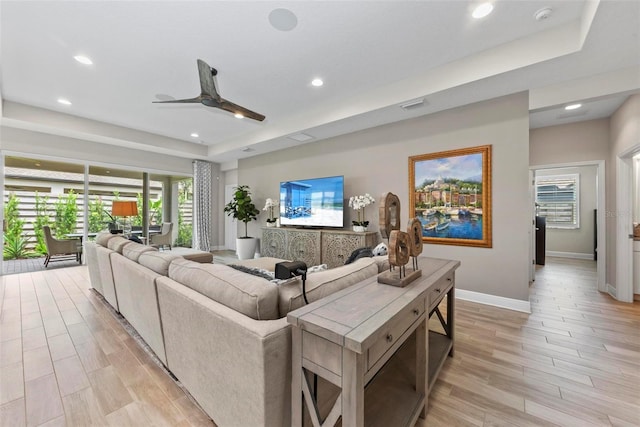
<point x="557" y="200"/>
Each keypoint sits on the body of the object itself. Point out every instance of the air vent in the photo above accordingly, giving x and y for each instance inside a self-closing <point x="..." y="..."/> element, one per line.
<point x="574" y="113"/>
<point x="416" y="103"/>
<point x="300" y="137"/>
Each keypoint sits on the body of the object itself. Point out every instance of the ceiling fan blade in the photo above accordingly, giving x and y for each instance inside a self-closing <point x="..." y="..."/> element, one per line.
<point x="196" y="100"/>
<point x="237" y="109"/>
<point x="207" y="83"/>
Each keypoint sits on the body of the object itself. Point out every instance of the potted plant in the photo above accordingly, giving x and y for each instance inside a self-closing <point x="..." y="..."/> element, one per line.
<point x="269" y="206"/>
<point x="358" y="203"/>
<point x="242" y="208"/>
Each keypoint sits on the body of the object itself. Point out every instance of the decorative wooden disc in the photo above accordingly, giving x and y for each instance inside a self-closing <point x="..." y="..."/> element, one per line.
<point x="389" y="214"/>
<point x="398" y="248"/>
<point x="414" y="228"/>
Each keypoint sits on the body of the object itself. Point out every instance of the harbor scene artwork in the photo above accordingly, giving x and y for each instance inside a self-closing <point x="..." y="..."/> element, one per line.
<point x="450" y="193"/>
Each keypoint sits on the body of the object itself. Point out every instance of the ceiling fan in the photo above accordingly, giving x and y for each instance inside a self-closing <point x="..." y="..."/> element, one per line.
<point x="210" y="97"/>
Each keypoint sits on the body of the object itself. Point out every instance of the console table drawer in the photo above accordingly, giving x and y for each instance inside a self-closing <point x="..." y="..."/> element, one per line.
<point x="393" y="330"/>
<point x="439" y="290"/>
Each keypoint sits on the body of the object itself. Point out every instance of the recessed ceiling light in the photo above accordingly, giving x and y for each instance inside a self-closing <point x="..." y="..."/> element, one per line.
<point x="573" y="106"/>
<point x="37" y="164"/>
<point x="83" y="59"/>
<point x="64" y="101"/>
<point x="317" y="82"/>
<point x="482" y="10"/>
<point x="194" y="135"/>
<point x="238" y="116"/>
<point x="107" y="171"/>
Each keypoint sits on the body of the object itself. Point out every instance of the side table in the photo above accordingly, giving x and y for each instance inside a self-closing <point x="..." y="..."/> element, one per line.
<point x="348" y="337"/>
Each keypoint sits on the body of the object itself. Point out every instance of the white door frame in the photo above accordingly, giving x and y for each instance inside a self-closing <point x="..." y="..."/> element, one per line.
<point x="624" y="225"/>
<point x="601" y="263"/>
<point x="532" y="228"/>
<point x="230" y="225"/>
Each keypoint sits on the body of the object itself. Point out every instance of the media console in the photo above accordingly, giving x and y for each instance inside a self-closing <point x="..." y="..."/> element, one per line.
<point x="314" y="247"/>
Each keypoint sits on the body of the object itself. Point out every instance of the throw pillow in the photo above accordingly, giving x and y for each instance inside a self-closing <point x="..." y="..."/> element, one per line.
<point x="359" y="253"/>
<point x="381" y="249"/>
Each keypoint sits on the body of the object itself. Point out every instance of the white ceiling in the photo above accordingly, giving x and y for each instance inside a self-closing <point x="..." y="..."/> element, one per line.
<point x="372" y="55"/>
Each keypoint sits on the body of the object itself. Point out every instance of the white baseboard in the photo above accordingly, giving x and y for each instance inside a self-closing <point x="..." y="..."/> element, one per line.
<point x="612" y="291"/>
<point x="574" y="255"/>
<point x="502" y="302"/>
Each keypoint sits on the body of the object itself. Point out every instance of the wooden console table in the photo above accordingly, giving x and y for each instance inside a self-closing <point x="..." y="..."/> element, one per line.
<point x="347" y="339"/>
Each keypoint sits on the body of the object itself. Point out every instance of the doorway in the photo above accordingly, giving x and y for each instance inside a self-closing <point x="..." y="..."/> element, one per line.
<point x="591" y="222"/>
<point x="625" y="202"/>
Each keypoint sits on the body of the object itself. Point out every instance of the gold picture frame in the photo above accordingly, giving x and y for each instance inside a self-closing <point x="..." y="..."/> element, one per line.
<point x="450" y="193"/>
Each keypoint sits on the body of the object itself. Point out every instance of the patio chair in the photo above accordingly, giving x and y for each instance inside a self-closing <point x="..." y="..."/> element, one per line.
<point x="164" y="238"/>
<point x="63" y="250"/>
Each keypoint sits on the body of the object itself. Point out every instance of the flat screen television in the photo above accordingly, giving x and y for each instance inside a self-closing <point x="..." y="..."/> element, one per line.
<point x="316" y="202"/>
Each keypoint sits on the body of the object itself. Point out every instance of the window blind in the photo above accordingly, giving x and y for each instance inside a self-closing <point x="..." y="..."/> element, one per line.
<point x="557" y="199"/>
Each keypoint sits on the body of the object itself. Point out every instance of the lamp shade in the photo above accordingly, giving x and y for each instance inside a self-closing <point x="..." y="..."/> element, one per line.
<point x="124" y="208"/>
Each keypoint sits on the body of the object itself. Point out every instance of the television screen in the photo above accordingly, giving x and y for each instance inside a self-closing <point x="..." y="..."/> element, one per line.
<point x="317" y="202"/>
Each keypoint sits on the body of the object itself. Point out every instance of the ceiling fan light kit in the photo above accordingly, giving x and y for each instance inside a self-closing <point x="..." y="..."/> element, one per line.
<point x="210" y="97"/>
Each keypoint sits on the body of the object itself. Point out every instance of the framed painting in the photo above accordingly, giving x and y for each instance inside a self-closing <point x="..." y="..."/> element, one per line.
<point x="450" y="193"/>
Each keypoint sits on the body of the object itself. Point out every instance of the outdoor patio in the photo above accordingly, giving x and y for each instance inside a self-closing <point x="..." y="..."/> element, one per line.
<point x="34" y="264"/>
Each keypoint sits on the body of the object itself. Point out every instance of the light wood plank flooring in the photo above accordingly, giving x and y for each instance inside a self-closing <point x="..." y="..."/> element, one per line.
<point x="66" y="360"/>
<point x="575" y="361"/>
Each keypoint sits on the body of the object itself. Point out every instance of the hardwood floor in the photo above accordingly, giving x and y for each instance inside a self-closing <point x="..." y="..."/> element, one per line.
<point x="575" y="361"/>
<point x="66" y="360"/>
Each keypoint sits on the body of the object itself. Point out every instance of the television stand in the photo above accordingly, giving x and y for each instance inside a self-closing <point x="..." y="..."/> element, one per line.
<point x="314" y="247"/>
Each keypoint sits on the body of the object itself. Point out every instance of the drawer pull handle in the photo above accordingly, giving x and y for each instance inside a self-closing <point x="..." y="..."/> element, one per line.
<point x="389" y="338"/>
<point x="438" y="290"/>
<point x="448" y="279"/>
<point x="416" y="311"/>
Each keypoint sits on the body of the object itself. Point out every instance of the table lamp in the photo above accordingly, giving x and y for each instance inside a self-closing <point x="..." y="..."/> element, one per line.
<point x="124" y="209"/>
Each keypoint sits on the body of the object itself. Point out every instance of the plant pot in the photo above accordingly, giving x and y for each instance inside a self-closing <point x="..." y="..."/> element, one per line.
<point x="359" y="228"/>
<point x="246" y="248"/>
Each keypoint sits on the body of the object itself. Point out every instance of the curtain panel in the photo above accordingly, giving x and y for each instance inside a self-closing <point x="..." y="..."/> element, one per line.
<point x="202" y="205"/>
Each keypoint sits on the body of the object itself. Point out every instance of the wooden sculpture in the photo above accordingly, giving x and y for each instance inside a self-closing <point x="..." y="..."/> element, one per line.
<point x="389" y="213"/>
<point x="402" y="245"/>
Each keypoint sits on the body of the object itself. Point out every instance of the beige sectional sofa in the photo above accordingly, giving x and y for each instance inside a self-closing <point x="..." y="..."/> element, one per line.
<point x="222" y="332"/>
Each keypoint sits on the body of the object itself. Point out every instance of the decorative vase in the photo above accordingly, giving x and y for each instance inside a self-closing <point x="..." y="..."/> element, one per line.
<point x="246" y="248"/>
<point x="359" y="228"/>
<point x="271" y="224"/>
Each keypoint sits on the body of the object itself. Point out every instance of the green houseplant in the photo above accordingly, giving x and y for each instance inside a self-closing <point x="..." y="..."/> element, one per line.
<point x="242" y="208"/>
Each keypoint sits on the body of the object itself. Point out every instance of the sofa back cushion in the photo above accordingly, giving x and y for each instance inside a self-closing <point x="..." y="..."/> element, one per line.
<point x="324" y="283"/>
<point x="134" y="251"/>
<point x="157" y="261"/>
<point x="118" y="243"/>
<point x="252" y="296"/>
<point x="103" y="238"/>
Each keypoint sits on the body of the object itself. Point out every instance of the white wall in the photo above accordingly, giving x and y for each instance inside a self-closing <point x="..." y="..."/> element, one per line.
<point x="376" y="161"/>
<point x="624" y="134"/>
<point x="636" y="189"/>
<point x="35" y="143"/>
<point x="579" y="240"/>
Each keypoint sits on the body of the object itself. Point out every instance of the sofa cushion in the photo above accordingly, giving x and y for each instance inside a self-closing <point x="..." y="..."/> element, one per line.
<point x="103" y="238"/>
<point x="324" y="283"/>
<point x="118" y="243"/>
<point x="199" y="256"/>
<point x="249" y="295"/>
<point x="134" y="251"/>
<point x="157" y="261"/>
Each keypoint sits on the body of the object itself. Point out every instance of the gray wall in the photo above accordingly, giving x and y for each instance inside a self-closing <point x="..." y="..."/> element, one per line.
<point x="580" y="240"/>
<point x="376" y="161"/>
